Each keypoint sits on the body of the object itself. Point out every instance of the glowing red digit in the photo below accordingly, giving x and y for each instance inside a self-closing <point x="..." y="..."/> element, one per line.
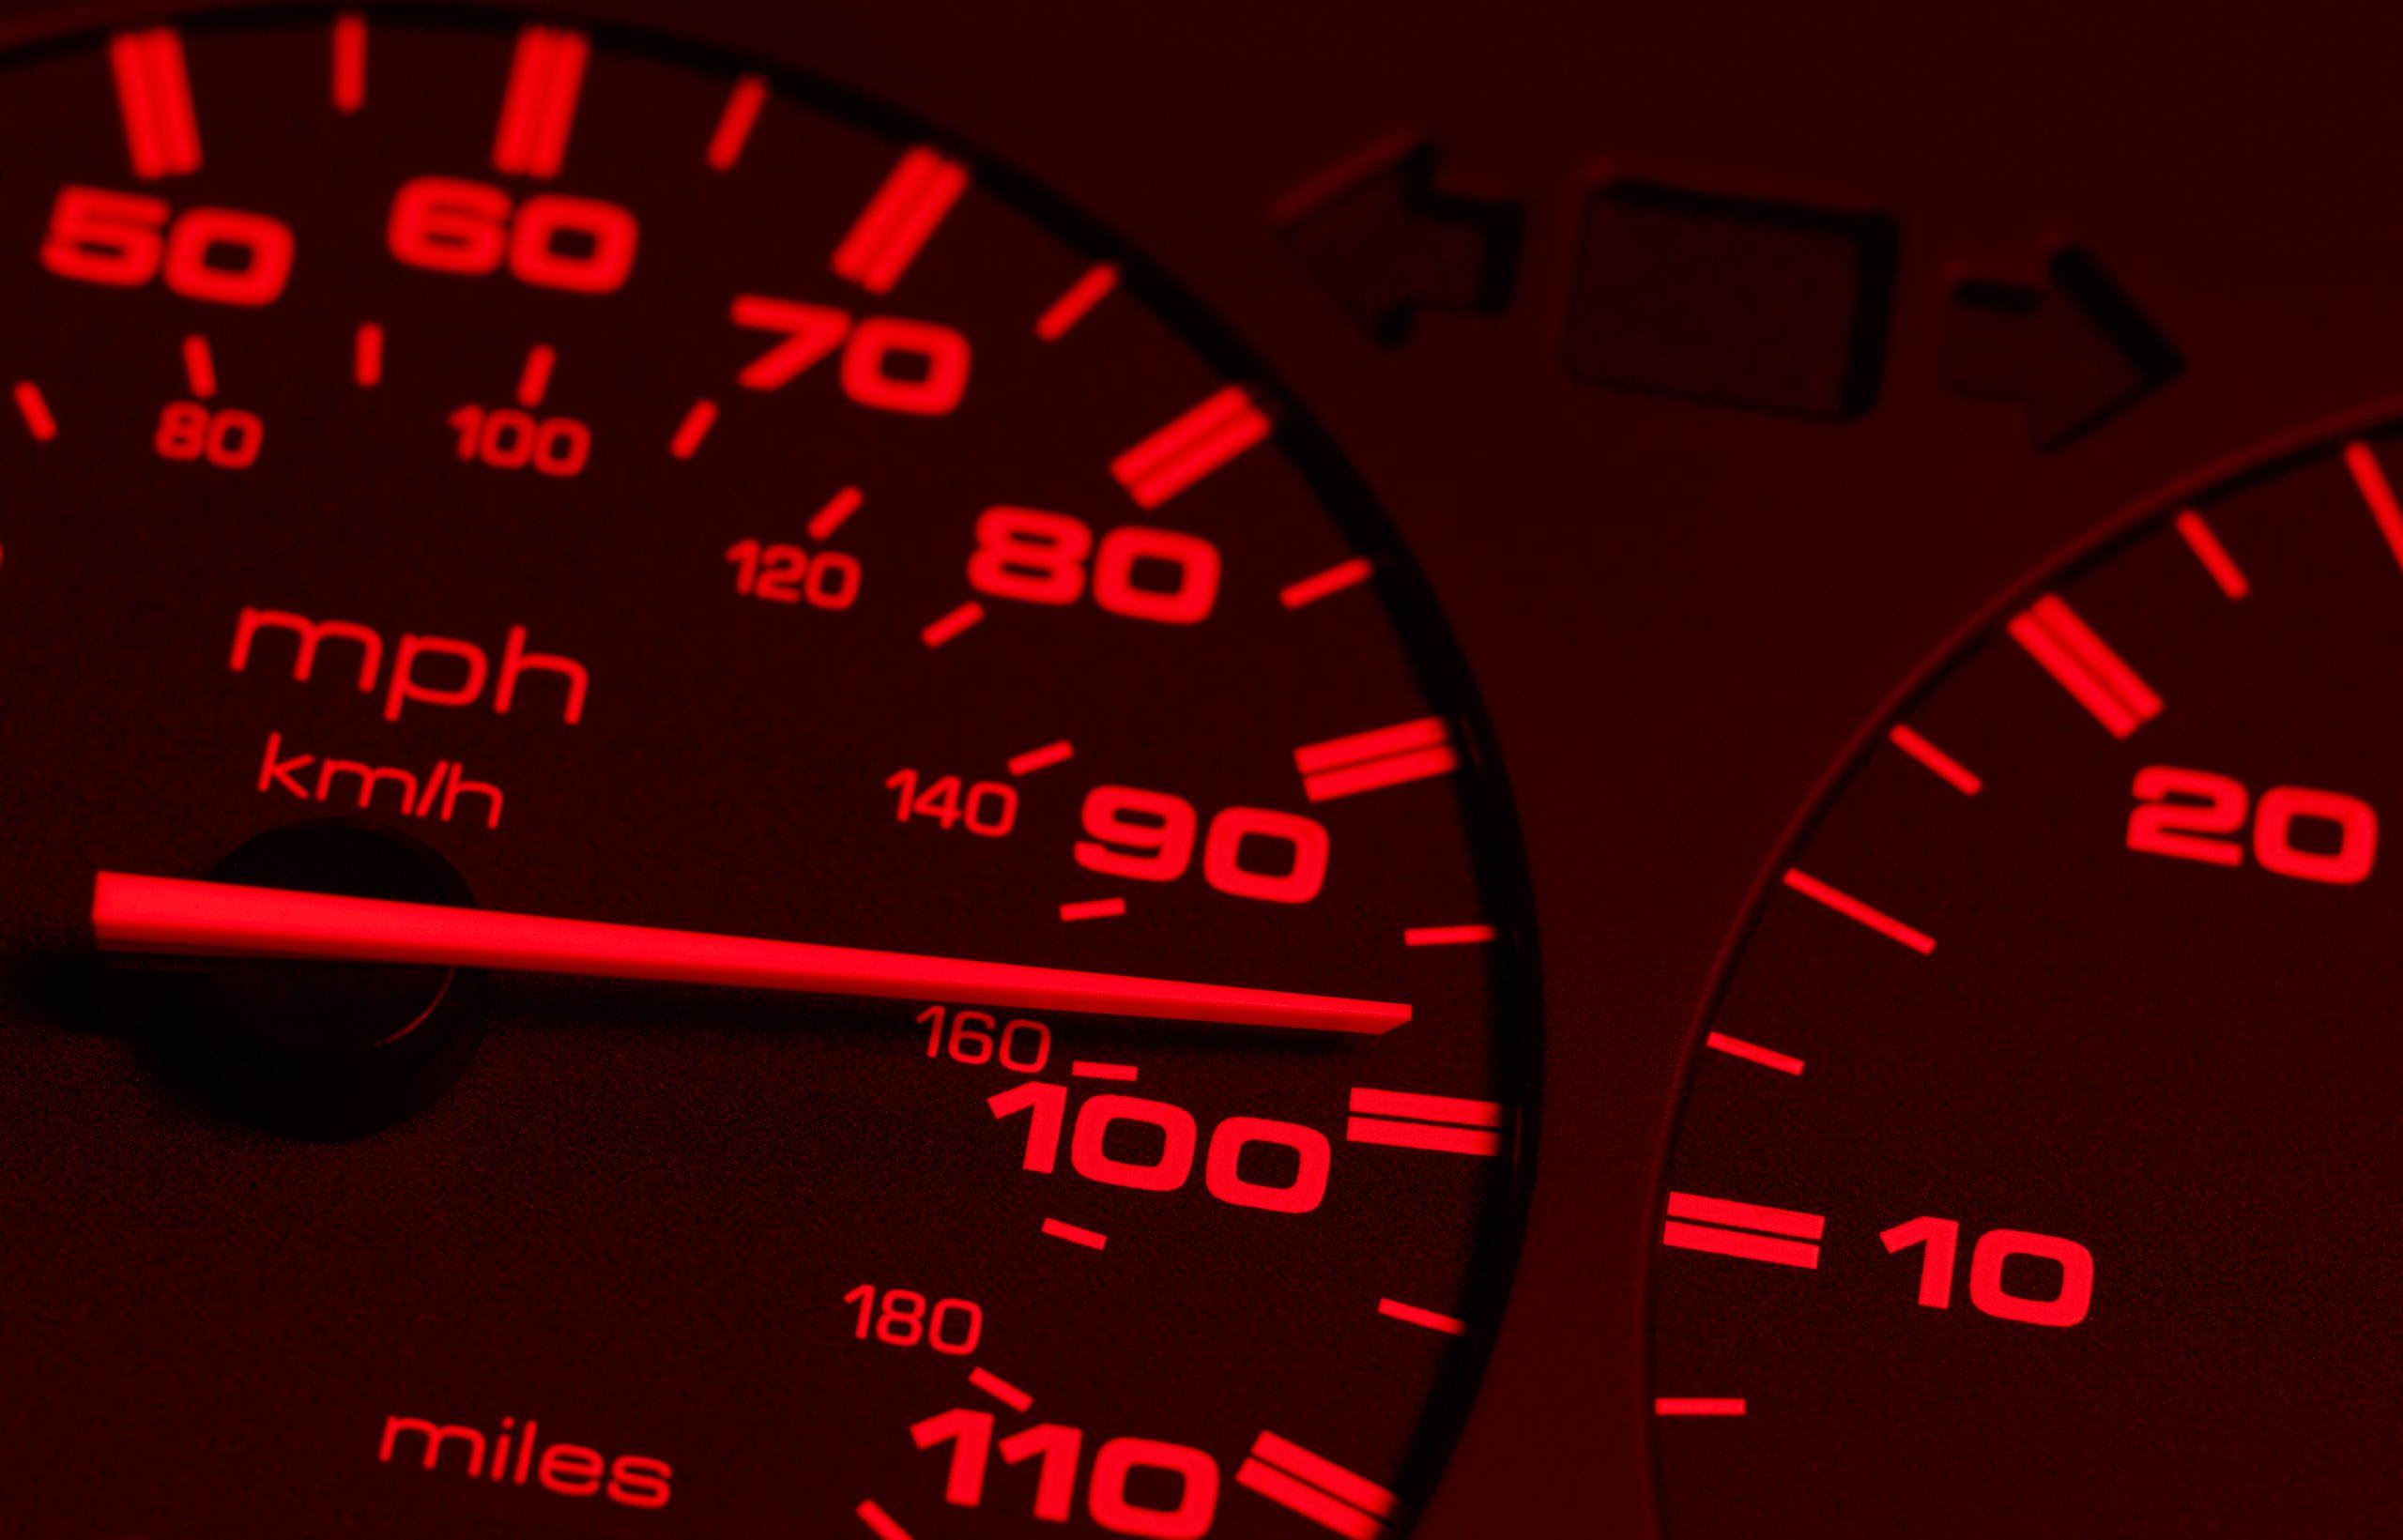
<point x="939" y="801"/>
<point x="228" y="257"/>
<point x="1197" y="1501"/>
<point x="561" y="445"/>
<point x="811" y="332"/>
<point x="903" y="1319"/>
<point x="1306" y="843"/>
<point x="1155" y="829"/>
<point x="183" y="429"/>
<point x="1185" y="603"/>
<point x="189" y="431"/>
<point x="2215" y="805"/>
<point x="1046" y="1106"/>
<point x="930" y="387"/>
<point x="970" y="1436"/>
<point x="1942" y="1238"/>
<point x="745" y="556"/>
<point x="469" y="422"/>
<point x="962" y="1343"/>
<point x="104" y="237"/>
<point x="1177" y="1138"/>
<point x="595" y="255"/>
<point x="447" y="225"/>
<point x="961" y="1034"/>
<point x="1055" y="1486"/>
<point x="834" y="581"/>
<point x="1042" y="1047"/>
<point x="1223" y="1169"/>
<point x="992" y="809"/>
<point x="866" y="1294"/>
<point x="1026" y="554"/>
<point x="234" y="438"/>
<point x="2273" y="844"/>
<point x="780" y="573"/>
<point x="507" y="440"/>
<point x="2066" y="1308"/>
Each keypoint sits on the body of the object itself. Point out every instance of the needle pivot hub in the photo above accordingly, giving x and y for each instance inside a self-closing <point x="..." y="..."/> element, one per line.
<point x="335" y="1048"/>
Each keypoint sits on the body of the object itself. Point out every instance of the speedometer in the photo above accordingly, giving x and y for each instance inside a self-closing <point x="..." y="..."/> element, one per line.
<point x="714" y="827"/>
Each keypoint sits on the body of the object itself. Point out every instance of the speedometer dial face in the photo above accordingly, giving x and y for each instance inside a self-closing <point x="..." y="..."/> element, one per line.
<point x="2036" y="1171"/>
<point x="902" y="925"/>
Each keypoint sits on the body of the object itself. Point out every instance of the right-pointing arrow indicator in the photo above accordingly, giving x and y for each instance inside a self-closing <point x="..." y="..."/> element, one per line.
<point x="2072" y="354"/>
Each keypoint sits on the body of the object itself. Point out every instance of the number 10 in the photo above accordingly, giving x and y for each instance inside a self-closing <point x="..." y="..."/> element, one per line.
<point x="1942" y="1238"/>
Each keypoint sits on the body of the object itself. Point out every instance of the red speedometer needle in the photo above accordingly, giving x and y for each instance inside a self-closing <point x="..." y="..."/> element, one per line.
<point x="133" y="913"/>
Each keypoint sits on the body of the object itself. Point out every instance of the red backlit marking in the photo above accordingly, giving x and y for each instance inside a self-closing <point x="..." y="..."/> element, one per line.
<point x="1698" y="1406"/>
<point x="1092" y="1070"/>
<point x="36" y="411"/>
<point x="2081" y="665"/>
<point x="1190" y="448"/>
<point x="695" y="428"/>
<point x="1062" y="1230"/>
<point x="1955" y="774"/>
<point x="534" y="380"/>
<point x="1316" y="1488"/>
<point x="1448" y="1123"/>
<point x="2212" y="555"/>
<point x="733" y="130"/>
<point x="133" y="913"/>
<point x="899" y="220"/>
<point x="1457" y="1141"/>
<point x="1386" y="757"/>
<point x="881" y="1522"/>
<point x="1043" y="758"/>
<point x="2371" y="477"/>
<point x="1082" y="296"/>
<point x="1446" y="935"/>
<point x="1433" y="1320"/>
<point x="200" y="367"/>
<point x="1703" y="1224"/>
<point x="350" y="62"/>
<point x="1755" y="1052"/>
<point x="153" y="98"/>
<point x="1342" y="575"/>
<point x="1852" y="909"/>
<point x="1443" y="1110"/>
<point x="952" y="624"/>
<point x="1000" y="1390"/>
<point x="830" y="518"/>
<point x="538" y="109"/>
<point x="1094" y="909"/>
<point x="367" y="355"/>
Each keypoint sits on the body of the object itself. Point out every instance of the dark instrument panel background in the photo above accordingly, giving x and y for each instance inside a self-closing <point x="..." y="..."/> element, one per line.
<point x="1688" y="567"/>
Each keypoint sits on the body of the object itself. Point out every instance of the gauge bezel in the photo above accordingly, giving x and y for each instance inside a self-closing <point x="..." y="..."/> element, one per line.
<point x="2261" y="461"/>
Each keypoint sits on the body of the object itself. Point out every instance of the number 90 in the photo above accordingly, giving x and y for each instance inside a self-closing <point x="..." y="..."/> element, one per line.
<point x="1149" y="835"/>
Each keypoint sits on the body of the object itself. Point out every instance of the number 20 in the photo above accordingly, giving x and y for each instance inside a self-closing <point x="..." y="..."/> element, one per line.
<point x="2183" y="813"/>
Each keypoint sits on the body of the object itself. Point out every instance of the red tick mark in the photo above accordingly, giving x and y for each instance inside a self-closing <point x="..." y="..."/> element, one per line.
<point x="1852" y="909"/>
<point x="2081" y="663"/>
<point x="899" y="220"/>
<point x="1955" y="774"/>
<point x="1192" y="446"/>
<point x="1082" y="296"/>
